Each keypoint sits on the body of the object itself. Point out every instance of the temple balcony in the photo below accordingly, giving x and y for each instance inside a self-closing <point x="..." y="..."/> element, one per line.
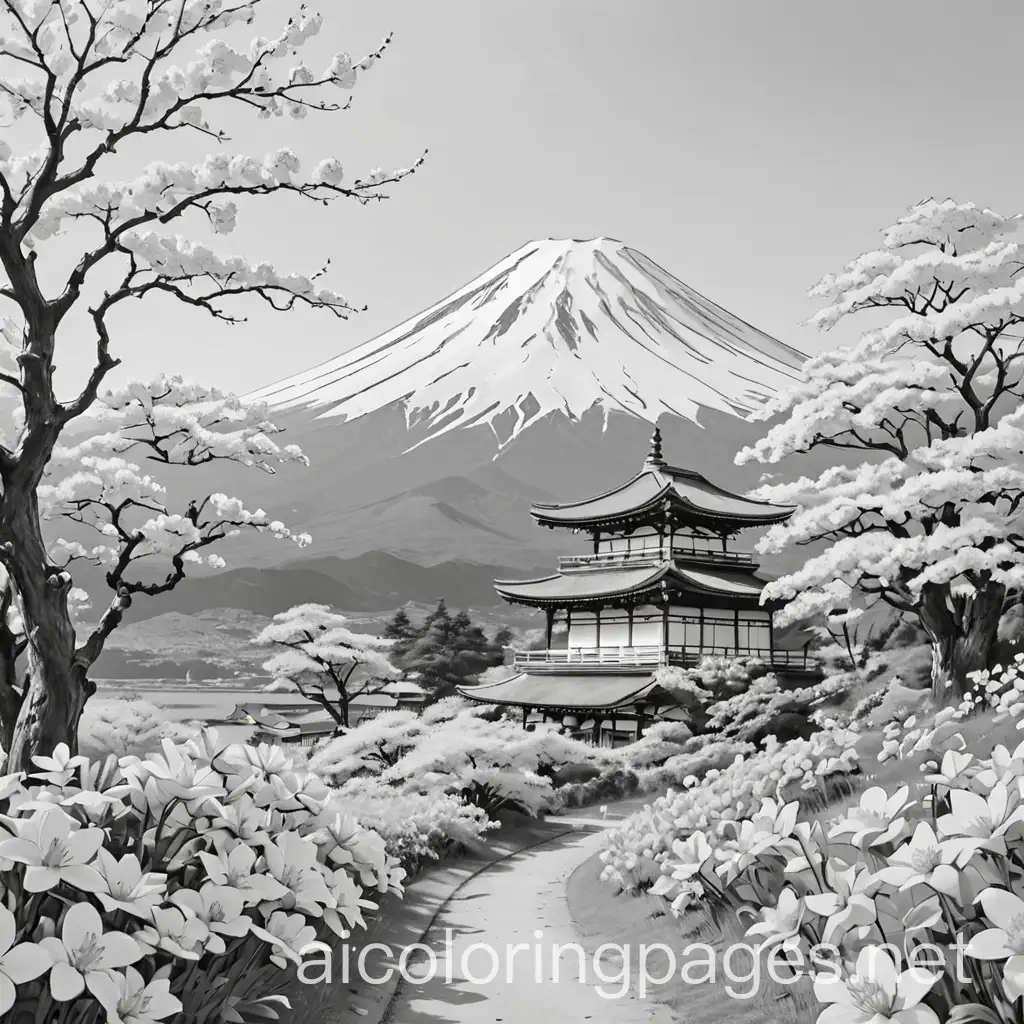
<point x="588" y="659"/>
<point x="654" y="556"/>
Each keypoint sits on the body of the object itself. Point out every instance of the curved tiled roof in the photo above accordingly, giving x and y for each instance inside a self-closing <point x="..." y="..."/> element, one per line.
<point x="595" y="584"/>
<point x="653" y="485"/>
<point x="600" y="583"/>
<point x="563" y="692"/>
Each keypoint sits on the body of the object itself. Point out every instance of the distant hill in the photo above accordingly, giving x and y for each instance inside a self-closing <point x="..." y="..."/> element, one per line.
<point x="373" y="582"/>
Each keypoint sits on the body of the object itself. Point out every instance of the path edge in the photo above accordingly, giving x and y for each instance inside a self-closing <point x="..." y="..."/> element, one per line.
<point x="432" y="892"/>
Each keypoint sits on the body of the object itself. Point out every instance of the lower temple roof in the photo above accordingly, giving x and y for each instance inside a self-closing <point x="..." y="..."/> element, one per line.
<point x="567" y="692"/>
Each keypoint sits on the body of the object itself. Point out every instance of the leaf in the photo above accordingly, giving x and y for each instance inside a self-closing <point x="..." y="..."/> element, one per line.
<point x="973" y="1013"/>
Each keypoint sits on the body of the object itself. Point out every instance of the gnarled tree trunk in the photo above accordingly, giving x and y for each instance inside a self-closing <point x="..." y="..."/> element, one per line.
<point x="963" y="630"/>
<point x="57" y="686"/>
<point x="11" y="647"/>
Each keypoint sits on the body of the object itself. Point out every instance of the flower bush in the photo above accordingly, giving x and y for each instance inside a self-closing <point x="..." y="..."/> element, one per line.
<point x="416" y="827"/>
<point x="453" y="749"/>
<point x="180" y="885"/>
<point x="740" y="699"/>
<point x="119" y="726"/>
<point x="637" y="851"/>
<point x="907" y="906"/>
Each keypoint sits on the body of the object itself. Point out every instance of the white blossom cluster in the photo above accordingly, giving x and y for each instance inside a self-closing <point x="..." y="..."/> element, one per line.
<point x="139" y="889"/>
<point x="932" y="405"/>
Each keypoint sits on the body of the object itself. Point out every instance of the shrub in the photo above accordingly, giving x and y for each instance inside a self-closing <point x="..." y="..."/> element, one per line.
<point x="201" y="872"/>
<point x="636" y="851"/>
<point x="902" y="876"/>
<point x="416" y="827"/>
<point x="488" y="761"/>
<point x="126" y="725"/>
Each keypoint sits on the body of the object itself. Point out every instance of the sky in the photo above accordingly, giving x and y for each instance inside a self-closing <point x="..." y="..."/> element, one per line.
<point x="748" y="148"/>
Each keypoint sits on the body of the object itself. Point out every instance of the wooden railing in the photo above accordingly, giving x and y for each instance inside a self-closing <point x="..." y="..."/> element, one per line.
<point x="653" y="555"/>
<point x="654" y="656"/>
<point x="592" y="656"/>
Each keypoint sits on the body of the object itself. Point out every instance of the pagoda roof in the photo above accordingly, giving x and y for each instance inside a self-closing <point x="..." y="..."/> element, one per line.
<point x="584" y="585"/>
<point x="650" y="490"/>
<point x="564" y="692"/>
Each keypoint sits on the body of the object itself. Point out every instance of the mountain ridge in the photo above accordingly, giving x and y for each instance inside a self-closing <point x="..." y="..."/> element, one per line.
<point x="555" y="326"/>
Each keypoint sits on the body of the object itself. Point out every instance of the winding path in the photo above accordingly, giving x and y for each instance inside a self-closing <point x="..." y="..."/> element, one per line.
<point x="508" y="904"/>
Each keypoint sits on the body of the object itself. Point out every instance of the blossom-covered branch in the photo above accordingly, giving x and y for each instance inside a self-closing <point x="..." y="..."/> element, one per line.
<point x="930" y="522"/>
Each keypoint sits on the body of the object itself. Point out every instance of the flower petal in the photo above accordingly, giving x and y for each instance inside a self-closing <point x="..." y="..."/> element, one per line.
<point x="25" y="962"/>
<point x="119" y="950"/>
<point x="1001" y="906"/>
<point x="989" y="945"/>
<point x="65" y="982"/>
<point x="81" y="920"/>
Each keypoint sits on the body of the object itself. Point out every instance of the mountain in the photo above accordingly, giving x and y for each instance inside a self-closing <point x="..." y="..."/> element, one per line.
<point x="556" y="327"/>
<point x="537" y="381"/>
<point x="372" y="582"/>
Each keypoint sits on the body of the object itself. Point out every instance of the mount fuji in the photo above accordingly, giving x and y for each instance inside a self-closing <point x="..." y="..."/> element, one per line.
<point x="537" y="381"/>
<point x="559" y="327"/>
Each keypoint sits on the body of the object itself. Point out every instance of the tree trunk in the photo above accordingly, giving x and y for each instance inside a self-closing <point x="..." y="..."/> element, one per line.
<point x="58" y="686"/>
<point x="963" y="630"/>
<point x="10" y="699"/>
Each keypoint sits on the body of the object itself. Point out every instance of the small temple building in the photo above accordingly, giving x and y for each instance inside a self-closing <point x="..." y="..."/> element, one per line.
<point x="661" y="586"/>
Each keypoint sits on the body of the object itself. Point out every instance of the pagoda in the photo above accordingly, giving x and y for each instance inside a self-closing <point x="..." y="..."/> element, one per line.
<point x="660" y="586"/>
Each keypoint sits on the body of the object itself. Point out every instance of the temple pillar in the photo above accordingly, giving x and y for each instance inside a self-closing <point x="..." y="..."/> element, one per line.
<point x="550" y="615"/>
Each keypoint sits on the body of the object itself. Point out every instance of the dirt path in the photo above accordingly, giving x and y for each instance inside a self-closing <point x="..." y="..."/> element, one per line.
<point x="474" y="936"/>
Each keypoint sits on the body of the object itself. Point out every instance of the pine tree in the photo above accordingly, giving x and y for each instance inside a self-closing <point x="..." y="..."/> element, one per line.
<point x="448" y="650"/>
<point x="400" y="629"/>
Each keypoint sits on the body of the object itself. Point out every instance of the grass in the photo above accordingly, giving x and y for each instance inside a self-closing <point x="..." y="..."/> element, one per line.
<point x="630" y="920"/>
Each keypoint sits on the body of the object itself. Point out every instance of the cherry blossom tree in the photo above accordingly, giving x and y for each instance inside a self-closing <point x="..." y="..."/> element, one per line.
<point x="88" y="84"/>
<point x="324" y="660"/>
<point x="927" y="517"/>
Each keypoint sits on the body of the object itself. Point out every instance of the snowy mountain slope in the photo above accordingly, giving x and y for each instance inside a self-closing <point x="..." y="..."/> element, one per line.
<point x="558" y="326"/>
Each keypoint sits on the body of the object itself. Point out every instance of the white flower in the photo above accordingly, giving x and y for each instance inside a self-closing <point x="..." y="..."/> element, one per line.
<point x="84" y="952"/>
<point x="178" y="933"/>
<point x="781" y="924"/>
<point x="53" y="852"/>
<point x="848" y="905"/>
<point x="923" y="861"/>
<point x="236" y="868"/>
<point x="748" y="842"/>
<point x="879" y="818"/>
<point x="287" y="933"/>
<point x="690" y="855"/>
<point x="127" y="888"/>
<point x="876" y="994"/>
<point x="974" y="822"/>
<point x="1005" y="941"/>
<point x="292" y="861"/>
<point x="219" y="907"/>
<point x="129" y="1000"/>
<point x="20" y="963"/>
<point x="60" y="768"/>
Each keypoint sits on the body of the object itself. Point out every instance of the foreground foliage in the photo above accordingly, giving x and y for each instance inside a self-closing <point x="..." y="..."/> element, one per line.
<point x="177" y="886"/>
<point x="905" y="908"/>
<point x="93" y="86"/>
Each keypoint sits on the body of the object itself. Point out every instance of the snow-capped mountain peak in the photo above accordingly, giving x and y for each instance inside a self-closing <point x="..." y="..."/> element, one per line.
<point x="558" y="326"/>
